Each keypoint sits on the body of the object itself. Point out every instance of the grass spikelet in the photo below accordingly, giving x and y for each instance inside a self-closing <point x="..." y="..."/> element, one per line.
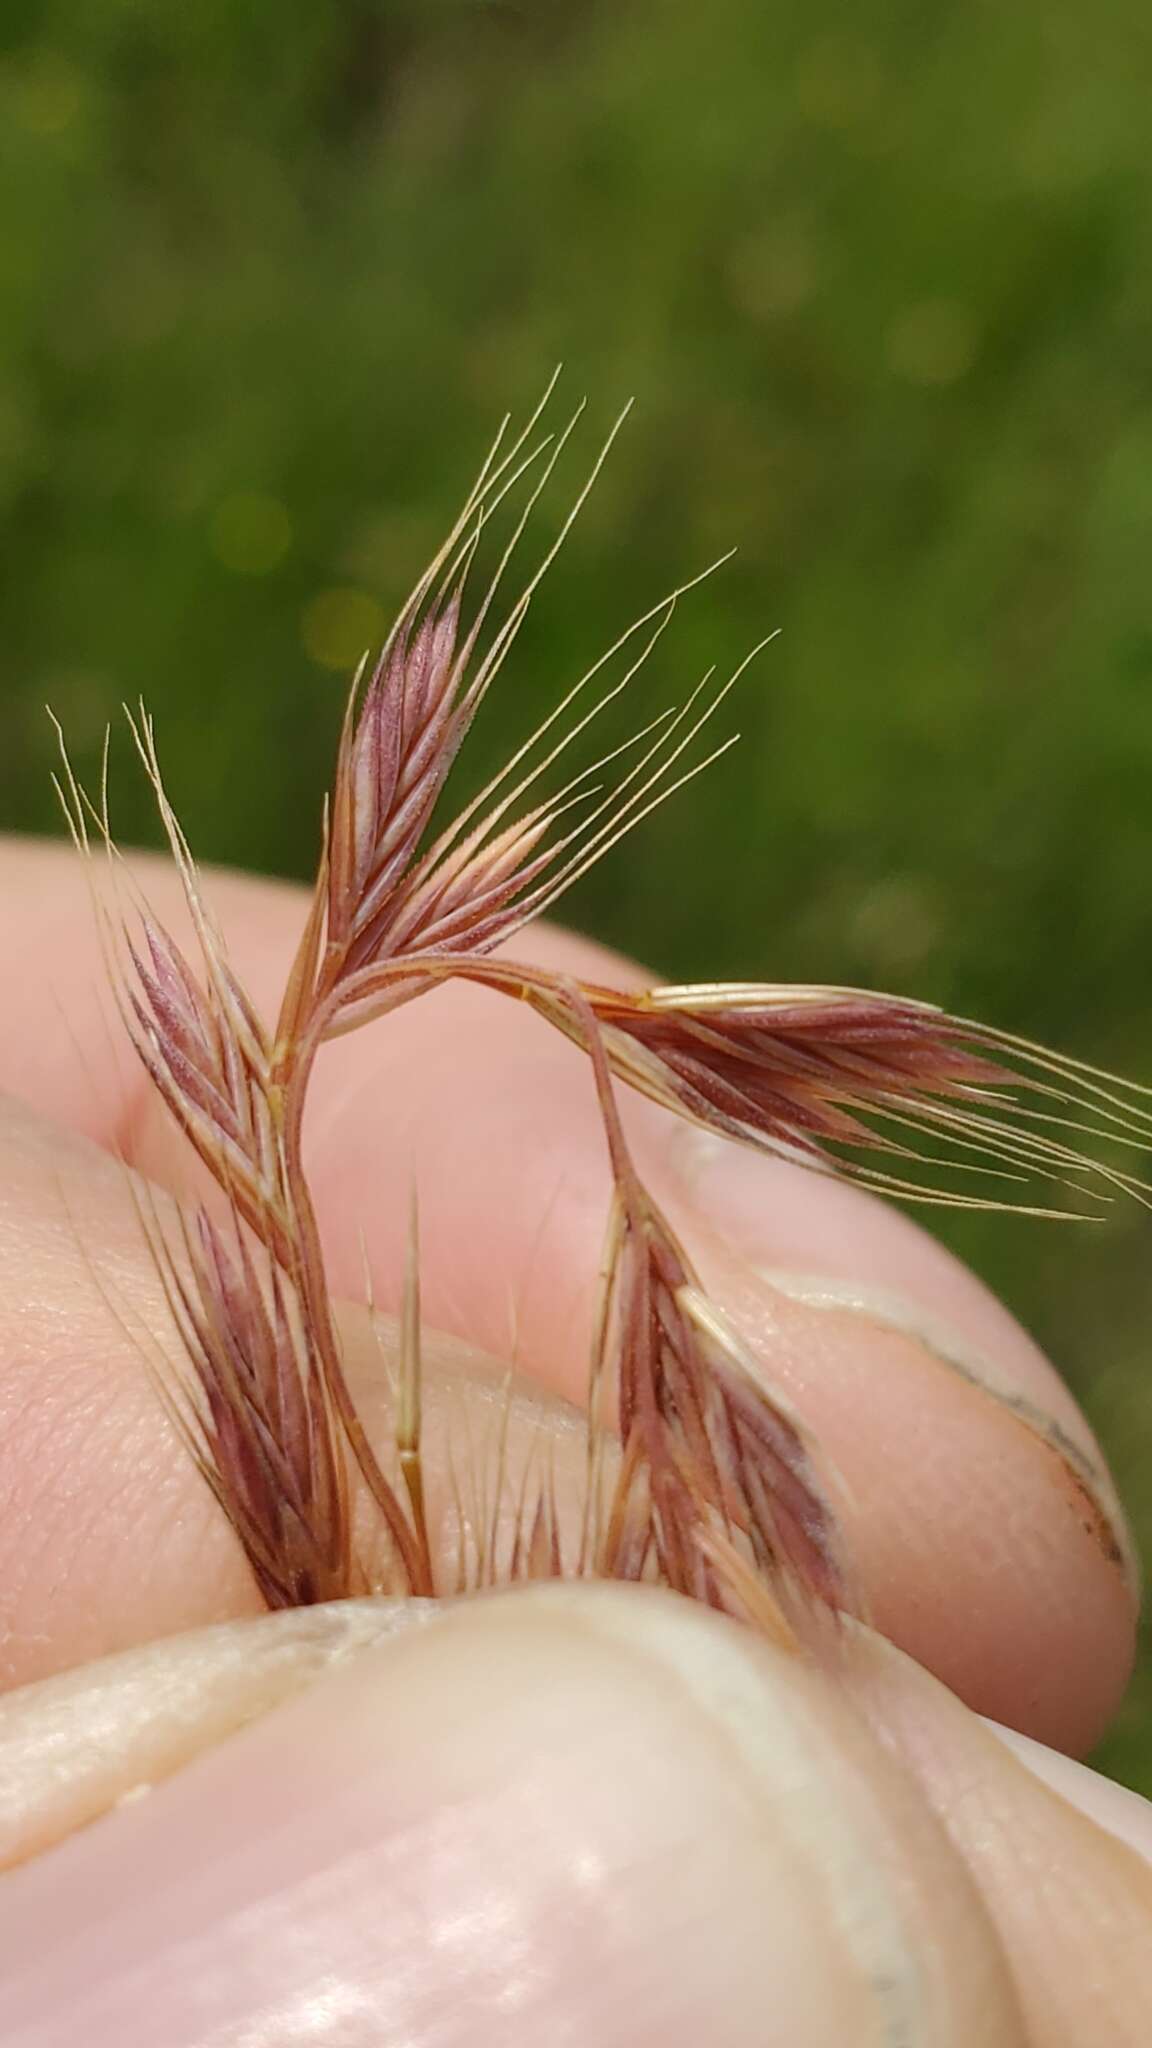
<point x="840" y="1078"/>
<point x="259" y="1416"/>
<point x="721" y="1459"/>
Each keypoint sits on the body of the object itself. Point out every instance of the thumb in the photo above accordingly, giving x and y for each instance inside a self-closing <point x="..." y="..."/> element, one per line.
<point x="568" y="1814"/>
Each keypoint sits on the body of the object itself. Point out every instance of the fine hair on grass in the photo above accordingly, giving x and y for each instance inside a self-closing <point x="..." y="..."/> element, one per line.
<point x="699" y="1477"/>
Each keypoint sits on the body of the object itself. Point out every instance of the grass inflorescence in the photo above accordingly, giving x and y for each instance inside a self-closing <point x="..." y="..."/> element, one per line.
<point x="699" y="1477"/>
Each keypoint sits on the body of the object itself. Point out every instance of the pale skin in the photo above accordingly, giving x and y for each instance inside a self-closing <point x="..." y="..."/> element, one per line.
<point x="574" y="1814"/>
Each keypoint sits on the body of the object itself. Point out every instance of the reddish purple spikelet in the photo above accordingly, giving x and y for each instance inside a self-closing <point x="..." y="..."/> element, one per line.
<point x="832" y="1073"/>
<point x="769" y="1066"/>
<point x="263" y="1429"/>
<point x="390" y="771"/>
<point x="799" y="1072"/>
<point x="207" y="1054"/>
<point x="715" y="1463"/>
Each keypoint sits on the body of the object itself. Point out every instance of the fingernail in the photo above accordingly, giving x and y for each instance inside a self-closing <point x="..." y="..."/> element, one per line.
<point x="570" y="1814"/>
<point x="891" y="1309"/>
<point x="829" y="1247"/>
<point x="75" y="1745"/>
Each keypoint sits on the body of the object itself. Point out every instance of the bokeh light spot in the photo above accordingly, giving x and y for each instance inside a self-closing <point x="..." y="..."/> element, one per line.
<point x="898" y="924"/>
<point x="933" y="342"/>
<point x="251" y="533"/>
<point x="837" y="82"/>
<point x="774" y="274"/>
<point x="49" y="94"/>
<point x="338" y="626"/>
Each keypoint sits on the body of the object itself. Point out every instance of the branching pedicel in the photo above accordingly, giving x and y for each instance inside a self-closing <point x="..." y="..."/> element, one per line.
<point x="699" y="1478"/>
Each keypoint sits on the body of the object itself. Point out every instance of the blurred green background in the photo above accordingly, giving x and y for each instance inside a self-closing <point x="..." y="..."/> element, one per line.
<point x="880" y="275"/>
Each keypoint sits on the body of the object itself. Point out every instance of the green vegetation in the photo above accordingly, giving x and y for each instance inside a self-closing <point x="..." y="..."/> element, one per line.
<point x="881" y="279"/>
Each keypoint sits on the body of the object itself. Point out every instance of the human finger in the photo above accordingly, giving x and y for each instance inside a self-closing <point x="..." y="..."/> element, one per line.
<point x="566" y="1814"/>
<point x="1062" y="1860"/>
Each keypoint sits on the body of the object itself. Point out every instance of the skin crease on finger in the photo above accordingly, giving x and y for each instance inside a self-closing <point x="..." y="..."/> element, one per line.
<point x="939" y="1472"/>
